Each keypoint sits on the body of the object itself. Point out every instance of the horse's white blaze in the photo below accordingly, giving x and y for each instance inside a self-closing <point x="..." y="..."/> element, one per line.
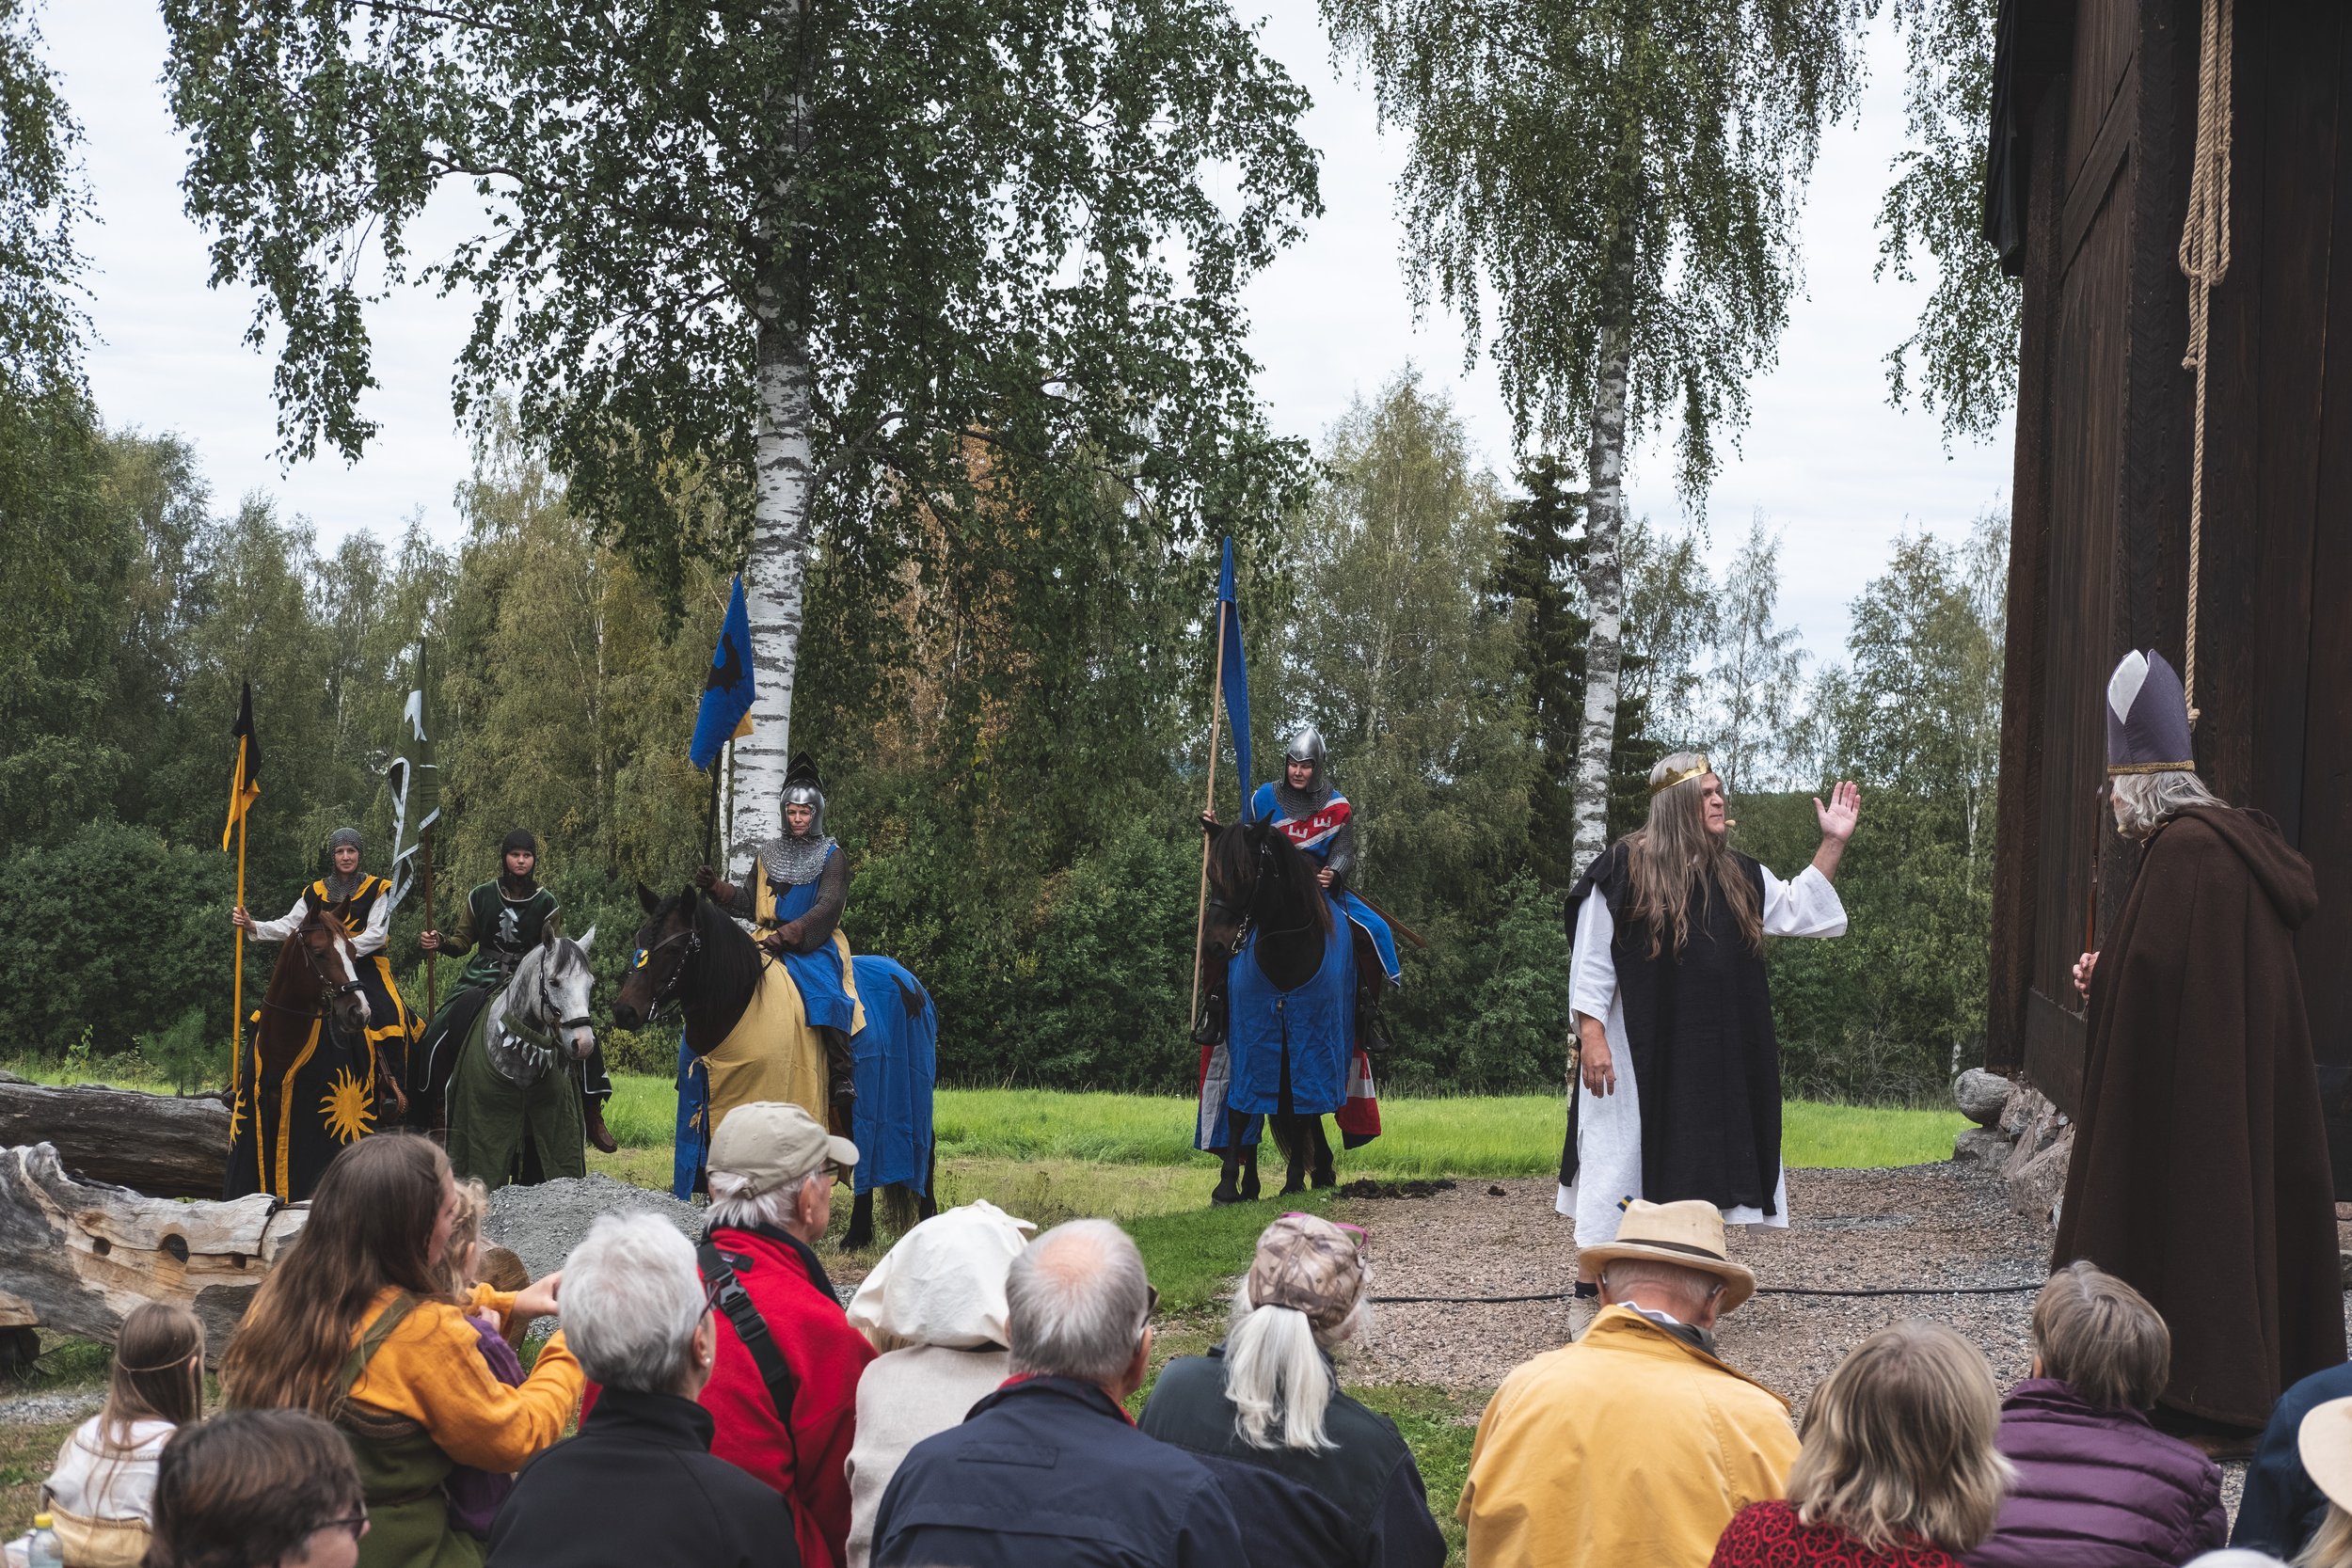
<point x="351" y="975"/>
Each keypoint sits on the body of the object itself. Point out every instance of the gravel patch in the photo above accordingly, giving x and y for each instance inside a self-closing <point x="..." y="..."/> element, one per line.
<point x="541" y="1224"/>
<point x="40" y="1410"/>
<point x="1922" y="1224"/>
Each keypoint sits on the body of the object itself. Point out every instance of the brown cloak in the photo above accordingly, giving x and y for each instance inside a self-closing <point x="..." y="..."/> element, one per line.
<point x="2201" y="1170"/>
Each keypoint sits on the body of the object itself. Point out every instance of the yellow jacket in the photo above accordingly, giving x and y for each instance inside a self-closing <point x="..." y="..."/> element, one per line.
<point x="1628" y="1449"/>
<point x="430" y="1369"/>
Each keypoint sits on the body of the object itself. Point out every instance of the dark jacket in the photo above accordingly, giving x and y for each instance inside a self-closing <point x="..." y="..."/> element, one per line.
<point x="1358" y="1504"/>
<point x="2282" y="1510"/>
<point x="639" y="1485"/>
<point x="1048" y="1473"/>
<point x="2098" y="1488"/>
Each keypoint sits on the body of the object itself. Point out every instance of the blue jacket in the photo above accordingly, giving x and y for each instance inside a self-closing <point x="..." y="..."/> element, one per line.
<point x="1048" y="1473"/>
<point x="2282" y="1510"/>
<point x="1358" y="1504"/>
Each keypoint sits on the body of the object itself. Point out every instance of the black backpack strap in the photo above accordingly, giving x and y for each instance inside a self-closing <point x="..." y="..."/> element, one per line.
<point x="730" y="1297"/>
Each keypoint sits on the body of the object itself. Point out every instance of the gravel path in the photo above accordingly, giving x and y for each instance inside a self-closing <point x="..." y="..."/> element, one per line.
<point x="40" y="1410"/>
<point x="1937" y="1225"/>
<point x="543" y="1224"/>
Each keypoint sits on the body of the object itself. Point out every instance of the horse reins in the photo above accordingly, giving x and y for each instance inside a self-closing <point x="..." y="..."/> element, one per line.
<point x="330" y="990"/>
<point x="692" y="937"/>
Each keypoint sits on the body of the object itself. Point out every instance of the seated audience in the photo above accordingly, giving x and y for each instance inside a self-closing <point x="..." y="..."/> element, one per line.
<point x="1048" y="1471"/>
<point x="1900" y="1467"/>
<point x="2325" y="1441"/>
<point x="935" y="1306"/>
<point x="1321" y="1480"/>
<point x="474" y="1496"/>
<point x="102" y="1490"/>
<point x="353" y="1324"/>
<point x="640" y="1484"/>
<point x="2097" y="1486"/>
<point x="257" y="1489"/>
<point x="2282" y="1510"/>
<point x="1635" y="1444"/>
<point x="771" y="1177"/>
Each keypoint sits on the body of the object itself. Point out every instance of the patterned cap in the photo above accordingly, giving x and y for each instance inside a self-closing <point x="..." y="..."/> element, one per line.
<point x="342" y="836"/>
<point x="2147" y="717"/>
<point x="1310" y="1265"/>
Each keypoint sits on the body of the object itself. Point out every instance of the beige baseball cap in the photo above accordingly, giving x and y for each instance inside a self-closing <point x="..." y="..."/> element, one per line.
<point x="769" y="1142"/>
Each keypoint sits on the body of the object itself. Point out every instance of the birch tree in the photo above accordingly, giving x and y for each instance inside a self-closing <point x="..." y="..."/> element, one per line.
<point x="758" y="272"/>
<point x="1618" y="182"/>
<point x="1759" y="666"/>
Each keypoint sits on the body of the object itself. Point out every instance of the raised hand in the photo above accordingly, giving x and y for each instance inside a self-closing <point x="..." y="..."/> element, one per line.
<point x="2083" y="967"/>
<point x="1837" y="818"/>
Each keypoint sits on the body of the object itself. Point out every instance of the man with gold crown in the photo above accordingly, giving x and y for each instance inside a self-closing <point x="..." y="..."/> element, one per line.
<point x="2200" y="1171"/>
<point x="363" y="903"/>
<point x="1674" y="1077"/>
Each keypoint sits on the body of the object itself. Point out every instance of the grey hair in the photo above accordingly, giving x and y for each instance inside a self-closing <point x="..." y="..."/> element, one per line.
<point x="733" y="1206"/>
<point x="632" y="1299"/>
<point x="1275" y="1364"/>
<point x="1075" y="1301"/>
<point x="2146" y="801"/>
<point x="1689" y="1286"/>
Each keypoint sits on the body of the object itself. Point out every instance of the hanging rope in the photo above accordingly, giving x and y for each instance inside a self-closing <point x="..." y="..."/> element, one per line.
<point x="2205" y="260"/>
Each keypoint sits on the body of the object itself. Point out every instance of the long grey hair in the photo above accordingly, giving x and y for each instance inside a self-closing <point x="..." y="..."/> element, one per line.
<point x="2146" y="801"/>
<point x="1276" y="1369"/>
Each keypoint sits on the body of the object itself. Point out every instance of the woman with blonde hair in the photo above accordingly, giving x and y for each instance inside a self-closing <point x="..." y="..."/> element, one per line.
<point x="2325" y="1442"/>
<point x="1897" y="1467"/>
<point x="355" y="1323"/>
<point x="1324" y="1482"/>
<point x="2096" y="1483"/>
<point x="102" y="1494"/>
<point x="1674" y="1080"/>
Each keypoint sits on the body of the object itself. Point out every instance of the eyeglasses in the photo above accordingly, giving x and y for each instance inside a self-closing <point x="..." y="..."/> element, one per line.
<point x="357" y="1525"/>
<point x="1151" y="1305"/>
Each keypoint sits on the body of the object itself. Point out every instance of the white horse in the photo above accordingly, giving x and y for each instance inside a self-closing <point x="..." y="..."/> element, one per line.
<point x="506" y="1084"/>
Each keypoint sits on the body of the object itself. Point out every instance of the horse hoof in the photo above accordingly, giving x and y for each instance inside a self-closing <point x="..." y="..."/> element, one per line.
<point x="1249" y="1187"/>
<point x="1224" y="1194"/>
<point x="854" y="1239"/>
<point x="1291" y="1187"/>
<point x="1326" y="1179"/>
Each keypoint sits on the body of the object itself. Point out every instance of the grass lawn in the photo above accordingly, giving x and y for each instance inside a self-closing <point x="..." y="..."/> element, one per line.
<point x="1491" y="1135"/>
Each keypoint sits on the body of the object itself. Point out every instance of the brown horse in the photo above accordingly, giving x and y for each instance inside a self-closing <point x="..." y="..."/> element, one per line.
<point x="307" y="1083"/>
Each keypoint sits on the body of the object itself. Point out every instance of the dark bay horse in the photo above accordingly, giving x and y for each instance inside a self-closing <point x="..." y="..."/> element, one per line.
<point x="306" y="1081"/>
<point x="1264" y="898"/>
<point x="692" y="957"/>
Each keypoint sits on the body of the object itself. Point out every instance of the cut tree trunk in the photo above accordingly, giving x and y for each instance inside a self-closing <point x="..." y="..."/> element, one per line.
<point x="157" y="1143"/>
<point x="773" y="581"/>
<point x="1604" y="588"/>
<point x="77" y="1256"/>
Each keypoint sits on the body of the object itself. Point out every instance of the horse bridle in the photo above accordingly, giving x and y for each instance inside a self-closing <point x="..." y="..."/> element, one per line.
<point x="692" y="937"/>
<point x="541" y="1035"/>
<point x="330" y="990"/>
<point x="1245" y="920"/>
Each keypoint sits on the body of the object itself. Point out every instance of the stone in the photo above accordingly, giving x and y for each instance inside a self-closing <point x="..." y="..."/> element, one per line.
<point x="1981" y="1145"/>
<point x="2025" y="1103"/>
<point x="1981" y="1096"/>
<point x="2036" y="1186"/>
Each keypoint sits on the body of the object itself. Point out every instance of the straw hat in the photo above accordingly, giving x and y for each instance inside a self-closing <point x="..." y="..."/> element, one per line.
<point x="2325" y="1441"/>
<point x="1689" y="1234"/>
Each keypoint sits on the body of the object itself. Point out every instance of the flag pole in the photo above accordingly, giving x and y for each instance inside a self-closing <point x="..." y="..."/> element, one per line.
<point x="432" y="991"/>
<point x="236" y="975"/>
<point x="710" y="814"/>
<point x="1201" y="921"/>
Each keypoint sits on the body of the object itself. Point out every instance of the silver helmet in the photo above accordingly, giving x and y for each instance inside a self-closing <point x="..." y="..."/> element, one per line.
<point x="803" y="788"/>
<point x="1307" y="746"/>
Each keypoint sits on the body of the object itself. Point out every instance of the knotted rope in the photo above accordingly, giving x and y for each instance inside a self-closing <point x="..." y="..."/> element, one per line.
<point x="2205" y="260"/>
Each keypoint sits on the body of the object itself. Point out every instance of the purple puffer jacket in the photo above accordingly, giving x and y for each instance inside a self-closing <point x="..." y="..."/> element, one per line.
<point x="2098" y="1489"/>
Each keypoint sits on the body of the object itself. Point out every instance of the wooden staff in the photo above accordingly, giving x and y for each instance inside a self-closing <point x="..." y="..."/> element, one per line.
<point x="1201" y="921"/>
<point x="237" y="975"/>
<point x="432" y="991"/>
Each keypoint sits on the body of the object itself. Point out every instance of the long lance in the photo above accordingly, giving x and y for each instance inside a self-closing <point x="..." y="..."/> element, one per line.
<point x="1395" y="924"/>
<point x="1201" y="921"/>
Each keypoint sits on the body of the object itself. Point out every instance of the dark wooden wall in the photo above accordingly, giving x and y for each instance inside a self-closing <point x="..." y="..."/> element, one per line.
<point x="2100" y="520"/>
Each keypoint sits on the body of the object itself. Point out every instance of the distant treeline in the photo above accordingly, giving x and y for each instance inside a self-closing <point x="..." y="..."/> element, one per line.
<point x="1011" y="716"/>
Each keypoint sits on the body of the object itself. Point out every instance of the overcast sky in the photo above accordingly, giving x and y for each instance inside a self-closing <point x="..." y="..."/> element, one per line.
<point x="1831" y="467"/>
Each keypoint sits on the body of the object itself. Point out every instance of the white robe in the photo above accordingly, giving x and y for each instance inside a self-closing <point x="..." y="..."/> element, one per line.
<point x="371" y="939"/>
<point x="1609" y="1128"/>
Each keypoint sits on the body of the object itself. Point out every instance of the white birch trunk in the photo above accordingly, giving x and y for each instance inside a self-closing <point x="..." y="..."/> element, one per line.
<point x="774" y="582"/>
<point x="1604" y="588"/>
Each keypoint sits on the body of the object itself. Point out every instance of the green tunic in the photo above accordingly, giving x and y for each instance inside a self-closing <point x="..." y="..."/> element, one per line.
<point x="497" y="931"/>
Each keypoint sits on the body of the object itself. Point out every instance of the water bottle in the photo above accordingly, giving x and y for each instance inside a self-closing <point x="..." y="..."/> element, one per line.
<point x="41" y="1548"/>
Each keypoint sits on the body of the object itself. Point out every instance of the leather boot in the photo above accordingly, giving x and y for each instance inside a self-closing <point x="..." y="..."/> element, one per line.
<point x="599" y="1134"/>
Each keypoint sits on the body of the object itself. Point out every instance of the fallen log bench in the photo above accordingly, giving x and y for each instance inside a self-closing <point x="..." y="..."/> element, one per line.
<point x="164" y="1146"/>
<point x="77" y="1256"/>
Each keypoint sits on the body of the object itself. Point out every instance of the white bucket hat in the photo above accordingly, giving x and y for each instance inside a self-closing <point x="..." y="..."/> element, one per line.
<point x="943" y="1282"/>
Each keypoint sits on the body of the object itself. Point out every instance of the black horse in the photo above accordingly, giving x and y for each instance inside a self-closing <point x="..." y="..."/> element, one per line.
<point x="1262" y="891"/>
<point x="696" y="958"/>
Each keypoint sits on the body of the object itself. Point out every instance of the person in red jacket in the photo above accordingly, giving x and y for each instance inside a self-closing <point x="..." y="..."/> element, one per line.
<point x="772" y="1175"/>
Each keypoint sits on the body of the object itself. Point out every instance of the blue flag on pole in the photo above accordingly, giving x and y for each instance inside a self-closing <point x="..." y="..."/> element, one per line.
<point x="1236" y="679"/>
<point x="726" y="709"/>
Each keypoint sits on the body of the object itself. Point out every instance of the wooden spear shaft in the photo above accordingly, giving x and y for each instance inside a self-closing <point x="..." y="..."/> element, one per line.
<point x="236" y="975"/>
<point x="1201" y="921"/>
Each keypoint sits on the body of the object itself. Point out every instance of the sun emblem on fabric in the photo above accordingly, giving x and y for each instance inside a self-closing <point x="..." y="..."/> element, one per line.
<point x="348" y="1107"/>
<point x="236" y="1117"/>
